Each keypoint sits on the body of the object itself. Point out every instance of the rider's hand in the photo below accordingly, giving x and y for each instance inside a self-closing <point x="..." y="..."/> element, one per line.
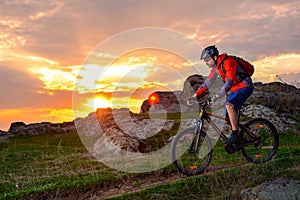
<point x="214" y="99"/>
<point x="191" y="100"/>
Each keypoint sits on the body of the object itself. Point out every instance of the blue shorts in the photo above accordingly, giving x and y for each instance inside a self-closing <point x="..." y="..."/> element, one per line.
<point x="238" y="98"/>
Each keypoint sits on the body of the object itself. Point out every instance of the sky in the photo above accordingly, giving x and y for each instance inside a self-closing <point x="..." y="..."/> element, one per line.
<point x="48" y="50"/>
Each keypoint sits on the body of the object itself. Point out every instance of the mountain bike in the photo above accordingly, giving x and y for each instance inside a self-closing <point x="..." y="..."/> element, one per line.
<point x="192" y="148"/>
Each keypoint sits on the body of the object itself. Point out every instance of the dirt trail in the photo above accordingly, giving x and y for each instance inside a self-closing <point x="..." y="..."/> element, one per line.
<point x="125" y="185"/>
<point x="154" y="180"/>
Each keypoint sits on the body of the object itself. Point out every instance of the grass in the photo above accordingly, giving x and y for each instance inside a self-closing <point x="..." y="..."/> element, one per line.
<point x="59" y="162"/>
<point x="48" y="162"/>
<point x="225" y="184"/>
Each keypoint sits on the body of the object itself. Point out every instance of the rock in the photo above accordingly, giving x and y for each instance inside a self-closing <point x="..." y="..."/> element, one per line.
<point x="275" y="101"/>
<point x="169" y="102"/>
<point x="16" y="126"/>
<point x="191" y="85"/>
<point x="4" y="136"/>
<point x="172" y="102"/>
<point x="281" y="122"/>
<point x="20" y="128"/>
<point x="273" y="190"/>
<point x="118" y="129"/>
<point x="277" y="96"/>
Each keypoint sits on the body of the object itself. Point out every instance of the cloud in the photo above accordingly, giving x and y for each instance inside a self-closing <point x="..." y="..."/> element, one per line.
<point x="55" y="6"/>
<point x="44" y="43"/>
<point x="267" y="68"/>
<point x="290" y="78"/>
<point x="56" y="79"/>
<point x="29" y="115"/>
<point x="19" y="89"/>
<point x="68" y="32"/>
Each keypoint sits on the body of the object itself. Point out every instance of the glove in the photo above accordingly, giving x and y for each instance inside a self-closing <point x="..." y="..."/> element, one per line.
<point x="191" y="101"/>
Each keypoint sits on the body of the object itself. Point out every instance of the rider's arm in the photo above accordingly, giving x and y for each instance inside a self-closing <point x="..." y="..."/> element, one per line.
<point x="207" y="83"/>
<point x="230" y="68"/>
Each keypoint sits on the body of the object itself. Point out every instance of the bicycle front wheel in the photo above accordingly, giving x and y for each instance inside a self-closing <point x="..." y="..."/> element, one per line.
<point x="260" y="140"/>
<point x="186" y="158"/>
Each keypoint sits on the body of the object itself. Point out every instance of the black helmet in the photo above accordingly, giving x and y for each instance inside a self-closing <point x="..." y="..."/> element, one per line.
<point x="209" y="51"/>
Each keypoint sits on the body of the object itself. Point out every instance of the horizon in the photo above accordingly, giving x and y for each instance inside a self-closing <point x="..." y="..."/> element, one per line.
<point x="116" y="108"/>
<point x="48" y="48"/>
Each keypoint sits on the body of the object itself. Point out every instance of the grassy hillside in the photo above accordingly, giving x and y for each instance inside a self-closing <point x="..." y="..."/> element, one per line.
<point x="50" y="162"/>
<point x="228" y="183"/>
<point x="54" y="165"/>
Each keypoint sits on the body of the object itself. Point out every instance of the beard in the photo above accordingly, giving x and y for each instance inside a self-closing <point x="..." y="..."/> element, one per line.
<point x="212" y="65"/>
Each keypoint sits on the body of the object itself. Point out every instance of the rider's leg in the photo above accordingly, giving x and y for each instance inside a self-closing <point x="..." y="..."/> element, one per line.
<point x="232" y="116"/>
<point x="234" y="102"/>
<point x="234" y="124"/>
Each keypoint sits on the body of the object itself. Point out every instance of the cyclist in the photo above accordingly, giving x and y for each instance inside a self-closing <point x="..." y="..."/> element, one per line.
<point x="235" y="80"/>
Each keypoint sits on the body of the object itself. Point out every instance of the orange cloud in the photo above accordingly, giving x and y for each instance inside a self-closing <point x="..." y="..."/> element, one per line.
<point x="267" y="68"/>
<point x="30" y="115"/>
<point x="56" y="79"/>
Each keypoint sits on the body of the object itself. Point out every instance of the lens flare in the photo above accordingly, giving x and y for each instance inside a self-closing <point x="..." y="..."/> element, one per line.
<point x="153" y="99"/>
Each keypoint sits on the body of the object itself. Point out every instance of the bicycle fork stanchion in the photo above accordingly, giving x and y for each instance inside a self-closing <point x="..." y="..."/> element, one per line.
<point x="195" y="147"/>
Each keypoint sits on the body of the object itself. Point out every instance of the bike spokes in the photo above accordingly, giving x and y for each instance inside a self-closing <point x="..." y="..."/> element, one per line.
<point x="260" y="140"/>
<point x="191" y="157"/>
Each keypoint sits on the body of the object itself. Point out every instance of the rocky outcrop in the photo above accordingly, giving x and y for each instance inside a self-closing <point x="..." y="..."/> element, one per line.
<point x="277" y="96"/>
<point x="191" y="84"/>
<point x="118" y="129"/>
<point x="172" y="102"/>
<point x="280" y="98"/>
<point x="20" y="128"/>
<point x="4" y="136"/>
<point x="280" y="121"/>
<point x="273" y="190"/>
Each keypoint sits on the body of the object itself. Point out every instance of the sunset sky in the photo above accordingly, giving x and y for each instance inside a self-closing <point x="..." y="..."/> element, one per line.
<point x="47" y="50"/>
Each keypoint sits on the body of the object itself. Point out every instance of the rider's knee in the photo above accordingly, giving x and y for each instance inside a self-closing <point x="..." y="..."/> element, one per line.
<point x="229" y="106"/>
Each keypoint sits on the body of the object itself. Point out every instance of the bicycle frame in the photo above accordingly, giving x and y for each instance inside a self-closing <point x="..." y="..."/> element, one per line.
<point x="204" y="115"/>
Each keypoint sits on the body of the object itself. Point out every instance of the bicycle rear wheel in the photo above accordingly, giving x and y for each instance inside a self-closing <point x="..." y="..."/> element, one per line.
<point x="184" y="159"/>
<point x="263" y="147"/>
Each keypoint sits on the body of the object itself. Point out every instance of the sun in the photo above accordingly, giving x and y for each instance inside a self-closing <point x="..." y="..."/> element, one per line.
<point x="98" y="102"/>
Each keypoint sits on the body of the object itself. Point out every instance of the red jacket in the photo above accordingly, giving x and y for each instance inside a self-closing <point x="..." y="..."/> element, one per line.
<point x="229" y="76"/>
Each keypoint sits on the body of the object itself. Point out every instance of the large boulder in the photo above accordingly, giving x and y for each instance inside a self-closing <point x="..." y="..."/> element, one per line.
<point x="273" y="190"/>
<point x="191" y="85"/>
<point x="169" y="102"/>
<point x="114" y="130"/>
<point x="15" y="127"/>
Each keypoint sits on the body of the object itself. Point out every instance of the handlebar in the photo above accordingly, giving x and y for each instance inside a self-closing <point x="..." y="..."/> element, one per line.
<point x="201" y="103"/>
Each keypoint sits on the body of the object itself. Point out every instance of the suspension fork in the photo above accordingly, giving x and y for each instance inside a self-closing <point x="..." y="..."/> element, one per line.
<point x="196" y="140"/>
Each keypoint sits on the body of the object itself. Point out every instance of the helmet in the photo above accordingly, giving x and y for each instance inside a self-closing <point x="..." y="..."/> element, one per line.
<point x="209" y="51"/>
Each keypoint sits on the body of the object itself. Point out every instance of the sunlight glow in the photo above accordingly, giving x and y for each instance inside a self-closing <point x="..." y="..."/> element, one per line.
<point x="267" y="68"/>
<point x="98" y="102"/>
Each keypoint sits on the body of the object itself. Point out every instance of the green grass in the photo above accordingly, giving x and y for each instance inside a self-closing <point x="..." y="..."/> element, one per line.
<point x="59" y="162"/>
<point x="225" y="184"/>
<point x="48" y="163"/>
